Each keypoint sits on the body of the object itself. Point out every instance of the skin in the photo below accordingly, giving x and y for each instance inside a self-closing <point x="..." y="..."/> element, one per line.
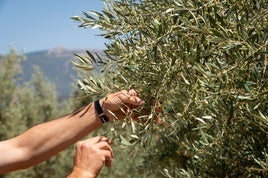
<point x="43" y="141"/>
<point x="90" y="157"/>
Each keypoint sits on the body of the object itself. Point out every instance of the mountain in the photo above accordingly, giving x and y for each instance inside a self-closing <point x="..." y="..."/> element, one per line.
<point x="56" y="66"/>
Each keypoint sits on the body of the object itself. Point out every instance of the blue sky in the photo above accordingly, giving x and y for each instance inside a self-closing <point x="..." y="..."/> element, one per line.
<point x="31" y="25"/>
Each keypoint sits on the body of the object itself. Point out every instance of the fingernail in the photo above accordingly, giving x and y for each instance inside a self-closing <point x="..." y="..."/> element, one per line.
<point x="140" y="100"/>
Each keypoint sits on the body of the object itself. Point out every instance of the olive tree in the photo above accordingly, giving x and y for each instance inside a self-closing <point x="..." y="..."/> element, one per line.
<point x="201" y="67"/>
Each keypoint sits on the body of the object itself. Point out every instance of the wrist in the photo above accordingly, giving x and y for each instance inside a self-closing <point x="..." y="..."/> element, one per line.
<point x="105" y="108"/>
<point x="81" y="173"/>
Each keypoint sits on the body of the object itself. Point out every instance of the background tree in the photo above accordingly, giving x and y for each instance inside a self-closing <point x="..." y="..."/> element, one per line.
<point x="205" y="62"/>
<point x="9" y="70"/>
<point x="25" y="105"/>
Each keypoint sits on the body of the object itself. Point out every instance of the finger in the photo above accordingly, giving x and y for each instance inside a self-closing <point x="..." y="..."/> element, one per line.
<point x="134" y="100"/>
<point x="108" y="163"/>
<point x="127" y="98"/>
<point x="97" y="139"/>
<point x="132" y="92"/>
<point x="106" y="140"/>
<point x="124" y="94"/>
<point x="108" y="158"/>
<point x="105" y="146"/>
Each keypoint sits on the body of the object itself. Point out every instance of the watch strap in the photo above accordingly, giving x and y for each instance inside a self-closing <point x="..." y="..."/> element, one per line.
<point x="100" y="112"/>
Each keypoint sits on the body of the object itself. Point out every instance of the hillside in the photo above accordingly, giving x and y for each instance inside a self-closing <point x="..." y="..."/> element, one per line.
<point x="56" y="66"/>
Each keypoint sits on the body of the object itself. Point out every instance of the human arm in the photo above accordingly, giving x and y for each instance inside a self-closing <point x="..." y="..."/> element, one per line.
<point x="42" y="141"/>
<point x="90" y="156"/>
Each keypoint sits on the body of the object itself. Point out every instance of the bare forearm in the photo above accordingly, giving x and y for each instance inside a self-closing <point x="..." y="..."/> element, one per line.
<point x="45" y="140"/>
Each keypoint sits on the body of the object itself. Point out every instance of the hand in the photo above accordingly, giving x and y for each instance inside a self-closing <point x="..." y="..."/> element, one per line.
<point x="118" y="105"/>
<point x="154" y="111"/>
<point x="90" y="156"/>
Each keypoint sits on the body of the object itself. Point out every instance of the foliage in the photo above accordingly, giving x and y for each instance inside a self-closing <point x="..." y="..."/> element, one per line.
<point x="205" y="62"/>
<point x="25" y="105"/>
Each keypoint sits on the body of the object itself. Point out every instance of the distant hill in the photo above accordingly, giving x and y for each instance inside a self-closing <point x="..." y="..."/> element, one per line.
<point x="56" y="66"/>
